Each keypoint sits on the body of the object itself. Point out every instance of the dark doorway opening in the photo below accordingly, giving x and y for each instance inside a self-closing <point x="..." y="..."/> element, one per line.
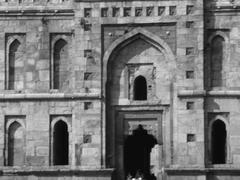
<point x="137" y="149"/>
<point x="140" y="88"/>
<point x="60" y="144"/>
<point x="218" y="142"/>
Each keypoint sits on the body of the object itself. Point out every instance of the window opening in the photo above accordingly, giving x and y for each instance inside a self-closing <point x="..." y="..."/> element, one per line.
<point x="60" y="143"/>
<point x="218" y="142"/>
<point x="140" y="88"/>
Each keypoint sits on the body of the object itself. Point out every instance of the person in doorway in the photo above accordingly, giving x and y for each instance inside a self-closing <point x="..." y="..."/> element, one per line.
<point x="137" y="149"/>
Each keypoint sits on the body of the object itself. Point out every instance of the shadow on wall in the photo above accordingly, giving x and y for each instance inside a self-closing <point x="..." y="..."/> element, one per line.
<point x="212" y="105"/>
<point x="209" y="24"/>
<point x="212" y="177"/>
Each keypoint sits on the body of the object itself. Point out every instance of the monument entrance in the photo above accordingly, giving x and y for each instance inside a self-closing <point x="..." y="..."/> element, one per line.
<point x="137" y="150"/>
<point x="139" y="145"/>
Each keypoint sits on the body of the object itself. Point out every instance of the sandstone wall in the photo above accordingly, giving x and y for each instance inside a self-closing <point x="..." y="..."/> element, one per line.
<point x="91" y="30"/>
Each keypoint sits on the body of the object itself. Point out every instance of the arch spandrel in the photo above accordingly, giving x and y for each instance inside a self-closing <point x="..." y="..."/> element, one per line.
<point x="146" y="36"/>
<point x="146" y="50"/>
<point x="136" y="34"/>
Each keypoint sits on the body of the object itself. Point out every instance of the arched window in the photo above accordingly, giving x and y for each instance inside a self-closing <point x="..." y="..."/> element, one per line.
<point x="60" y="143"/>
<point x="140" y="88"/>
<point x="218" y="142"/>
<point x="16" y="153"/>
<point x="59" y="63"/>
<point x="217" y="54"/>
<point x="12" y="56"/>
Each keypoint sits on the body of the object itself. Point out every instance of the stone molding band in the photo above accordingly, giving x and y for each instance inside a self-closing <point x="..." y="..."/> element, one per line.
<point x="26" y="12"/>
<point x="49" y="96"/>
<point x="204" y="93"/>
<point x="203" y="171"/>
<point x="56" y="171"/>
<point x="181" y="93"/>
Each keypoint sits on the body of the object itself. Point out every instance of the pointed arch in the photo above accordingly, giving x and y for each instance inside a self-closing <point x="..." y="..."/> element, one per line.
<point x="143" y="34"/>
<point x="59" y="62"/>
<point x="137" y="33"/>
<point x="140" y="88"/>
<point x="61" y="118"/>
<point x="15" y="146"/>
<point x="14" y="45"/>
<point x="116" y="77"/>
<point x="218" y="33"/>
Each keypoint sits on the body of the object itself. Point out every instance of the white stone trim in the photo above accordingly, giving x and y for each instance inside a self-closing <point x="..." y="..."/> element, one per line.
<point x="61" y="118"/>
<point x="202" y="93"/>
<point x="218" y="33"/>
<point x="11" y="121"/>
<point x="49" y="96"/>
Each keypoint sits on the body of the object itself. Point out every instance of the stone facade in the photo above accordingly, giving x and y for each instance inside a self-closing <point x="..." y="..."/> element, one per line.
<point x="79" y="79"/>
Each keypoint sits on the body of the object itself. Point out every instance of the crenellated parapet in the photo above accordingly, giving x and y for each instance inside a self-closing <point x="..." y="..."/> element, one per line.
<point x="12" y="8"/>
<point x="41" y="5"/>
<point x="33" y="2"/>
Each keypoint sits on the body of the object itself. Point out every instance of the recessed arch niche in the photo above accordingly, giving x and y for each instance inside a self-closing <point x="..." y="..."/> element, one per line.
<point x="151" y="58"/>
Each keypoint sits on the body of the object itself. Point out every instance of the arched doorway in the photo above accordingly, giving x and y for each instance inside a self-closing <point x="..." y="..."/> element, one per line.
<point x="137" y="149"/>
<point x="60" y="143"/>
<point x="139" y="52"/>
<point x="218" y="142"/>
